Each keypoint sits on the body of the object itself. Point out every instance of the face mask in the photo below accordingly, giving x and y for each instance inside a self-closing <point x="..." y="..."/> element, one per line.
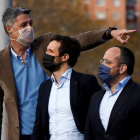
<point x="48" y="62"/>
<point x="26" y="36"/>
<point x="104" y="74"/>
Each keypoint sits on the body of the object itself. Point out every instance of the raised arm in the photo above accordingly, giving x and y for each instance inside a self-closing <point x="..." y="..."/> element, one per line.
<point x="92" y="39"/>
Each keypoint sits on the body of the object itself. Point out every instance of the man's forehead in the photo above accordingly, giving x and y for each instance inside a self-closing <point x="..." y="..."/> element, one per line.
<point x="54" y="45"/>
<point x="113" y="52"/>
<point x="23" y="18"/>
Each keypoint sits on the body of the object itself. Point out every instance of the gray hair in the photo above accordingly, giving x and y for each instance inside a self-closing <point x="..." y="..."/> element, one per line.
<point x="10" y="14"/>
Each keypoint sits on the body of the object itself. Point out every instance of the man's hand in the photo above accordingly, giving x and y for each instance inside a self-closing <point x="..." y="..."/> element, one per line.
<point x="118" y="34"/>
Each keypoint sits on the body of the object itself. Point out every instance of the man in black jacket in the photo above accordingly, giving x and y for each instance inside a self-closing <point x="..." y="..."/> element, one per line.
<point x="64" y="99"/>
<point x="114" y="112"/>
<point x="20" y="101"/>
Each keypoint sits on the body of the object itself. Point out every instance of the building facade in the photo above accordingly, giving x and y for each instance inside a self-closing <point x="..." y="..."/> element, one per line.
<point x="118" y="13"/>
<point x="138" y="14"/>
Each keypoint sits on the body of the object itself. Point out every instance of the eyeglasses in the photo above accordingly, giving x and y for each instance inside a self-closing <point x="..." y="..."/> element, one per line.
<point x="106" y="61"/>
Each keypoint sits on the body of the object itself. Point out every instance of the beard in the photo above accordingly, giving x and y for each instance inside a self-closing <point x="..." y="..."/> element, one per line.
<point x="57" y="67"/>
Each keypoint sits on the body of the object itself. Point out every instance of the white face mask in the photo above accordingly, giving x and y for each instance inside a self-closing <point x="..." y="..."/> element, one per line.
<point x="26" y="36"/>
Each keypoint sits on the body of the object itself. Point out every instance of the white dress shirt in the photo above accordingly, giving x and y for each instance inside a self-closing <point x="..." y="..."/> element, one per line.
<point x="109" y="100"/>
<point x="61" y="121"/>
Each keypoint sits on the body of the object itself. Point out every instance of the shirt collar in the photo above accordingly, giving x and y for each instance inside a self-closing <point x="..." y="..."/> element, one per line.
<point x="66" y="75"/>
<point x="121" y="84"/>
<point x="27" y="53"/>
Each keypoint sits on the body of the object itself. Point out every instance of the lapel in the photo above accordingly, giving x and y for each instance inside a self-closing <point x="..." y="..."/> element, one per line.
<point x="39" y="53"/>
<point x="45" y="102"/>
<point x="46" y="93"/>
<point x="126" y="92"/>
<point x="96" y="108"/>
<point x="7" y="70"/>
<point x="74" y="93"/>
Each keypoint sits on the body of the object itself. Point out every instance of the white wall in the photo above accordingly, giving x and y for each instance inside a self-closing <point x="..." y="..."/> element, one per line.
<point x="3" y="43"/>
<point x="3" y="37"/>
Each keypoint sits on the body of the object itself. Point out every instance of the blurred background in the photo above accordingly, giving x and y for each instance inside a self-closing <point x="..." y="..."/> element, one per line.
<point x="70" y="17"/>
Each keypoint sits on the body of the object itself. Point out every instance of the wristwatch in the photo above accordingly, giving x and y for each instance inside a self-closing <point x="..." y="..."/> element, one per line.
<point x="109" y="31"/>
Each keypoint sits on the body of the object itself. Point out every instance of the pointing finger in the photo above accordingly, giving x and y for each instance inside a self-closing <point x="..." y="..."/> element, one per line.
<point x="128" y="31"/>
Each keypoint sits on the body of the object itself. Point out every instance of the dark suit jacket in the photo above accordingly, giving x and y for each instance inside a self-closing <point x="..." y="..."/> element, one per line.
<point x="8" y="92"/>
<point x="124" y="121"/>
<point x="81" y="89"/>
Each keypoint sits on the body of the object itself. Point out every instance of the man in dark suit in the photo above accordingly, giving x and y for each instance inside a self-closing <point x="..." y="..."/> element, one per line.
<point x="64" y="99"/>
<point x="21" y="64"/>
<point x="114" y="112"/>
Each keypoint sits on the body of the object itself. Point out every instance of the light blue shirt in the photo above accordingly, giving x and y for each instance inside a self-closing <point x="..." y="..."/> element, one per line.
<point x="109" y="100"/>
<point x="27" y="54"/>
<point x="27" y="82"/>
<point x="61" y="121"/>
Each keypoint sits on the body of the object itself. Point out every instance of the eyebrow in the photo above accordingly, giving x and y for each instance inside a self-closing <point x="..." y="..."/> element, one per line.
<point x="49" y="50"/>
<point x="31" y="21"/>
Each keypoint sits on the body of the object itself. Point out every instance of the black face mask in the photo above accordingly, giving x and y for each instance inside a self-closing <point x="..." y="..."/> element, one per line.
<point x="48" y="62"/>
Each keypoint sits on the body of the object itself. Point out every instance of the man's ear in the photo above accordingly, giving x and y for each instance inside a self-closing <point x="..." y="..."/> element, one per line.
<point x="123" y="68"/>
<point x="9" y="29"/>
<point x="65" y="57"/>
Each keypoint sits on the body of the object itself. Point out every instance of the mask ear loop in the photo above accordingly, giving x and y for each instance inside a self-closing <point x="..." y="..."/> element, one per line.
<point x="20" y="35"/>
<point x="14" y="33"/>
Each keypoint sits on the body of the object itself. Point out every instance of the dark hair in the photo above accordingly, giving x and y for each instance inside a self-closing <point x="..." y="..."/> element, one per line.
<point x="10" y="14"/>
<point x="127" y="57"/>
<point x="70" y="46"/>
